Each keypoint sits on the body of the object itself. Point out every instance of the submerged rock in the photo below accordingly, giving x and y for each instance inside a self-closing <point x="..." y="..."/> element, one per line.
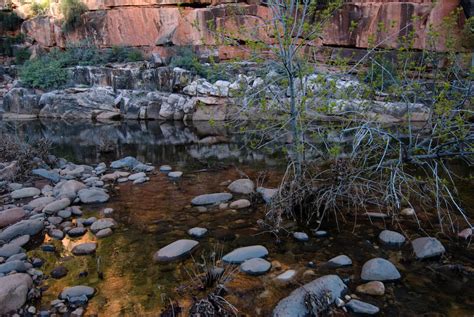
<point x="13" y="291"/>
<point x="210" y="199"/>
<point x="379" y="269"/>
<point x="175" y="251"/>
<point x="294" y="304"/>
<point x="360" y="307"/>
<point x="427" y="247"/>
<point x="255" y="266"/>
<point x="240" y="255"/>
<point x="242" y="186"/>
<point x="340" y="260"/>
<point x="391" y="238"/>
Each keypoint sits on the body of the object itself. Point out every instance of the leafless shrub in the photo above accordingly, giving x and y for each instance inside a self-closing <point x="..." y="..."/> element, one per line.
<point x="26" y="154"/>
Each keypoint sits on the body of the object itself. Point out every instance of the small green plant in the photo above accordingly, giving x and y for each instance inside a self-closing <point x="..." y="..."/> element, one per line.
<point x="40" y="7"/>
<point x="45" y="72"/>
<point x="120" y="54"/>
<point x="72" y="11"/>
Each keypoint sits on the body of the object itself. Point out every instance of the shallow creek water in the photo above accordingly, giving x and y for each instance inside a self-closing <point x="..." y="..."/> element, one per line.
<point x="158" y="212"/>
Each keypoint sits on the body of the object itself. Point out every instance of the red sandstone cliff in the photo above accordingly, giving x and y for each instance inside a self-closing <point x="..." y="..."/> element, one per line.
<point x="157" y="24"/>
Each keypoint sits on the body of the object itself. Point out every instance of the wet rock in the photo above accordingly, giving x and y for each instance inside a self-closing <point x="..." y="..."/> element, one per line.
<point x="240" y="204"/>
<point x="7" y="250"/>
<point x="127" y="162"/>
<point x="39" y="203"/>
<point x="242" y="186"/>
<point x="141" y="180"/>
<point x="11" y="216"/>
<point x="59" y="272"/>
<point x="376" y="288"/>
<point x="13" y="291"/>
<point x="267" y="193"/>
<point x="77" y="232"/>
<point x="25" y="193"/>
<point x="104" y="233"/>
<point x="391" y="238"/>
<point x="136" y="176"/>
<point x="300" y="236"/>
<point x="103" y="223"/>
<point x="286" y="276"/>
<point x="427" y="247"/>
<point x="210" y="199"/>
<point x="294" y="304"/>
<point x="56" y="206"/>
<point x="197" y="232"/>
<point x="65" y="214"/>
<point x="17" y="257"/>
<point x="68" y="189"/>
<point x="55" y="220"/>
<point x="176" y="250"/>
<point x="379" y="269"/>
<point x="93" y="195"/>
<point x="165" y="168"/>
<point x="17" y="266"/>
<point x="255" y="266"/>
<point x="340" y="260"/>
<point x="240" y="255"/>
<point x="56" y="234"/>
<point x="84" y="248"/>
<point x="24" y="227"/>
<point x="360" y="307"/>
<point x="21" y="240"/>
<point x="175" y="174"/>
<point x="50" y="175"/>
<point x="143" y="168"/>
<point x="72" y="294"/>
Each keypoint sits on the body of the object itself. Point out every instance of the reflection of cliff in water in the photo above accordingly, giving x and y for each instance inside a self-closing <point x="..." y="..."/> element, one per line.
<point x="152" y="141"/>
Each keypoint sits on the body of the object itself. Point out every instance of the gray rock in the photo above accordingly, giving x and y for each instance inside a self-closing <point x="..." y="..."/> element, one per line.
<point x="165" y="168"/>
<point x="391" y="238"/>
<point x="56" y="206"/>
<point x="17" y="257"/>
<point x="15" y="186"/>
<point x="240" y="204"/>
<point x="197" y="232"/>
<point x="300" y="236"/>
<point x="240" y="255"/>
<point x="340" y="260"/>
<point x="68" y="189"/>
<point x="13" y="291"/>
<point x="104" y="233"/>
<point x="77" y="232"/>
<point x="18" y="266"/>
<point x="242" y="186"/>
<point x="141" y="180"/>
<point x="175" y="174"/>
<point x="21" y="240"/>
<point x="65" y="213"/>
<point x="11" y="216"/>
<point x="25" y="193"/>
<point x="39" y="203"/>
<point x="210" y="199"/>
<point x="255" y="266"/>
<point x="286" y="276"/>
<point x="176" y="250"/>
<point x="93" y="195"/>
<point x="267" y="193"/>
<point x="143" y="168"/>
<point x="24" y="227"/>
<point x="427" y="247"/>
<point x="360" y="307"/>
<point x="379" y="269"/>
<point x="84" y="248"/>
<point x="103" y="223"/>
<point x="56" y="234"/>
<point x="294" y="304"/>
<point x="55" y="220"/>
<point x="50" y="175"/>
<point x="136" y="176"/>
<point x="7" y="250"/>
<point x="127" y="162"/>
<point x="77" y="291"/>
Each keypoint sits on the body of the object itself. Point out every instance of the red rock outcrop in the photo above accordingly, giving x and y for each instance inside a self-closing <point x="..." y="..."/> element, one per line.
<point x="158" y="24"/>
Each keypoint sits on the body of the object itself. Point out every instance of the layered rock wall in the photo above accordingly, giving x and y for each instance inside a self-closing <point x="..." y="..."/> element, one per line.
<point x="155" y="25"/>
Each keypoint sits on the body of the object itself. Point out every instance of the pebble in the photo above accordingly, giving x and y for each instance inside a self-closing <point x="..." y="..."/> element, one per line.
<point x="286" y="276"/>
<point x="391" y="238"/>
<point x="376" y="288"/>
<point x="59" y="272"/>
<point x="176" y="250"/>
<point x="427" y="247"/>
<point x="300" y="236"/>
<point x="360" y="307"/>
<point x="65" y="214"/>
<point x="56" y="234"/>
<point x="240" y="204"/>
<point x="340" y="260"/>
<point x="197" y="232"/>
<point x="84" y="248"/>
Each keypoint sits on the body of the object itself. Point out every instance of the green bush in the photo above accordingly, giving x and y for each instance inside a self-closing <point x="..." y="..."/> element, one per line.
<point x="40" y="7"/>
<point x="72" y="11"/>
<point x="7" y="43"/>
<point x="120" y="54"/>
<point x="9" y="21"/>
<point x="22" y="55"/>
<point x="45" y="72"/>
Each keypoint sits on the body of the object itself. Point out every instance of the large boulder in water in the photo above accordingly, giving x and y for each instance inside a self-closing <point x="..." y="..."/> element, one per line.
<point x="13" y="291"/>
<point x="294" y="304"/>
<point x="176" y="250"/>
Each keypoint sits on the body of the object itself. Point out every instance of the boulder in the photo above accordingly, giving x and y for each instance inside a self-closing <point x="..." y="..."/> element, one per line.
<point x="22" y="101"/>
<point x="242" y="186"/>
<point x="175" y="251"/>
<point x="13" y="291"/>
<point x="294" y="304"/>
<point x="379" y="269"/>
<point x="427" y="247"/>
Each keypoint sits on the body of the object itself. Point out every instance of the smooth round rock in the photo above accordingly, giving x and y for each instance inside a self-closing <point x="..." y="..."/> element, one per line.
<point x="165" y="168"/>
<point x="103" y="223"/>
<point x="300" y="236"/>
<point x="240" y="204"/>
<point x="93" y="195"/>
<point x="240" y="255"/>
<point x="211" y="199"/>
<point x="242" y="186"/>
<point x="11" y="216"/>
<point x="255" y="266"/>
<point x="175" y="251"/>
<point x="379" y="269"/>
<point x="77" y="232"/>
<point x="65" y="214"/>
<point x="25" y="193"/>
<point x="375" y="288"/>
<point x="340" y="260"/>
<point x="13" y="291"/>
<point x="84" y="248"/>
<point x="427" y="247"/>
<point x="136" y="176"/>
<point x="197" y="232"/>
<point x="56" y="206"/>
<point x="56" y="234"/>
<point x="104" y="233"/>
<point x="175" y="174"/>
<point x="286" y="276"/>
<point x="77" y="291"/>
<point x="360" y="307"/>
<point x="391" y="238"/>
<point x="59" y="272"/>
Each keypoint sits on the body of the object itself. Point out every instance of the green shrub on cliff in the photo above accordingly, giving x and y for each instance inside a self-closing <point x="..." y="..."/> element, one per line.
<point x="45" y="72"/>
<point x="72" y="11"/>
